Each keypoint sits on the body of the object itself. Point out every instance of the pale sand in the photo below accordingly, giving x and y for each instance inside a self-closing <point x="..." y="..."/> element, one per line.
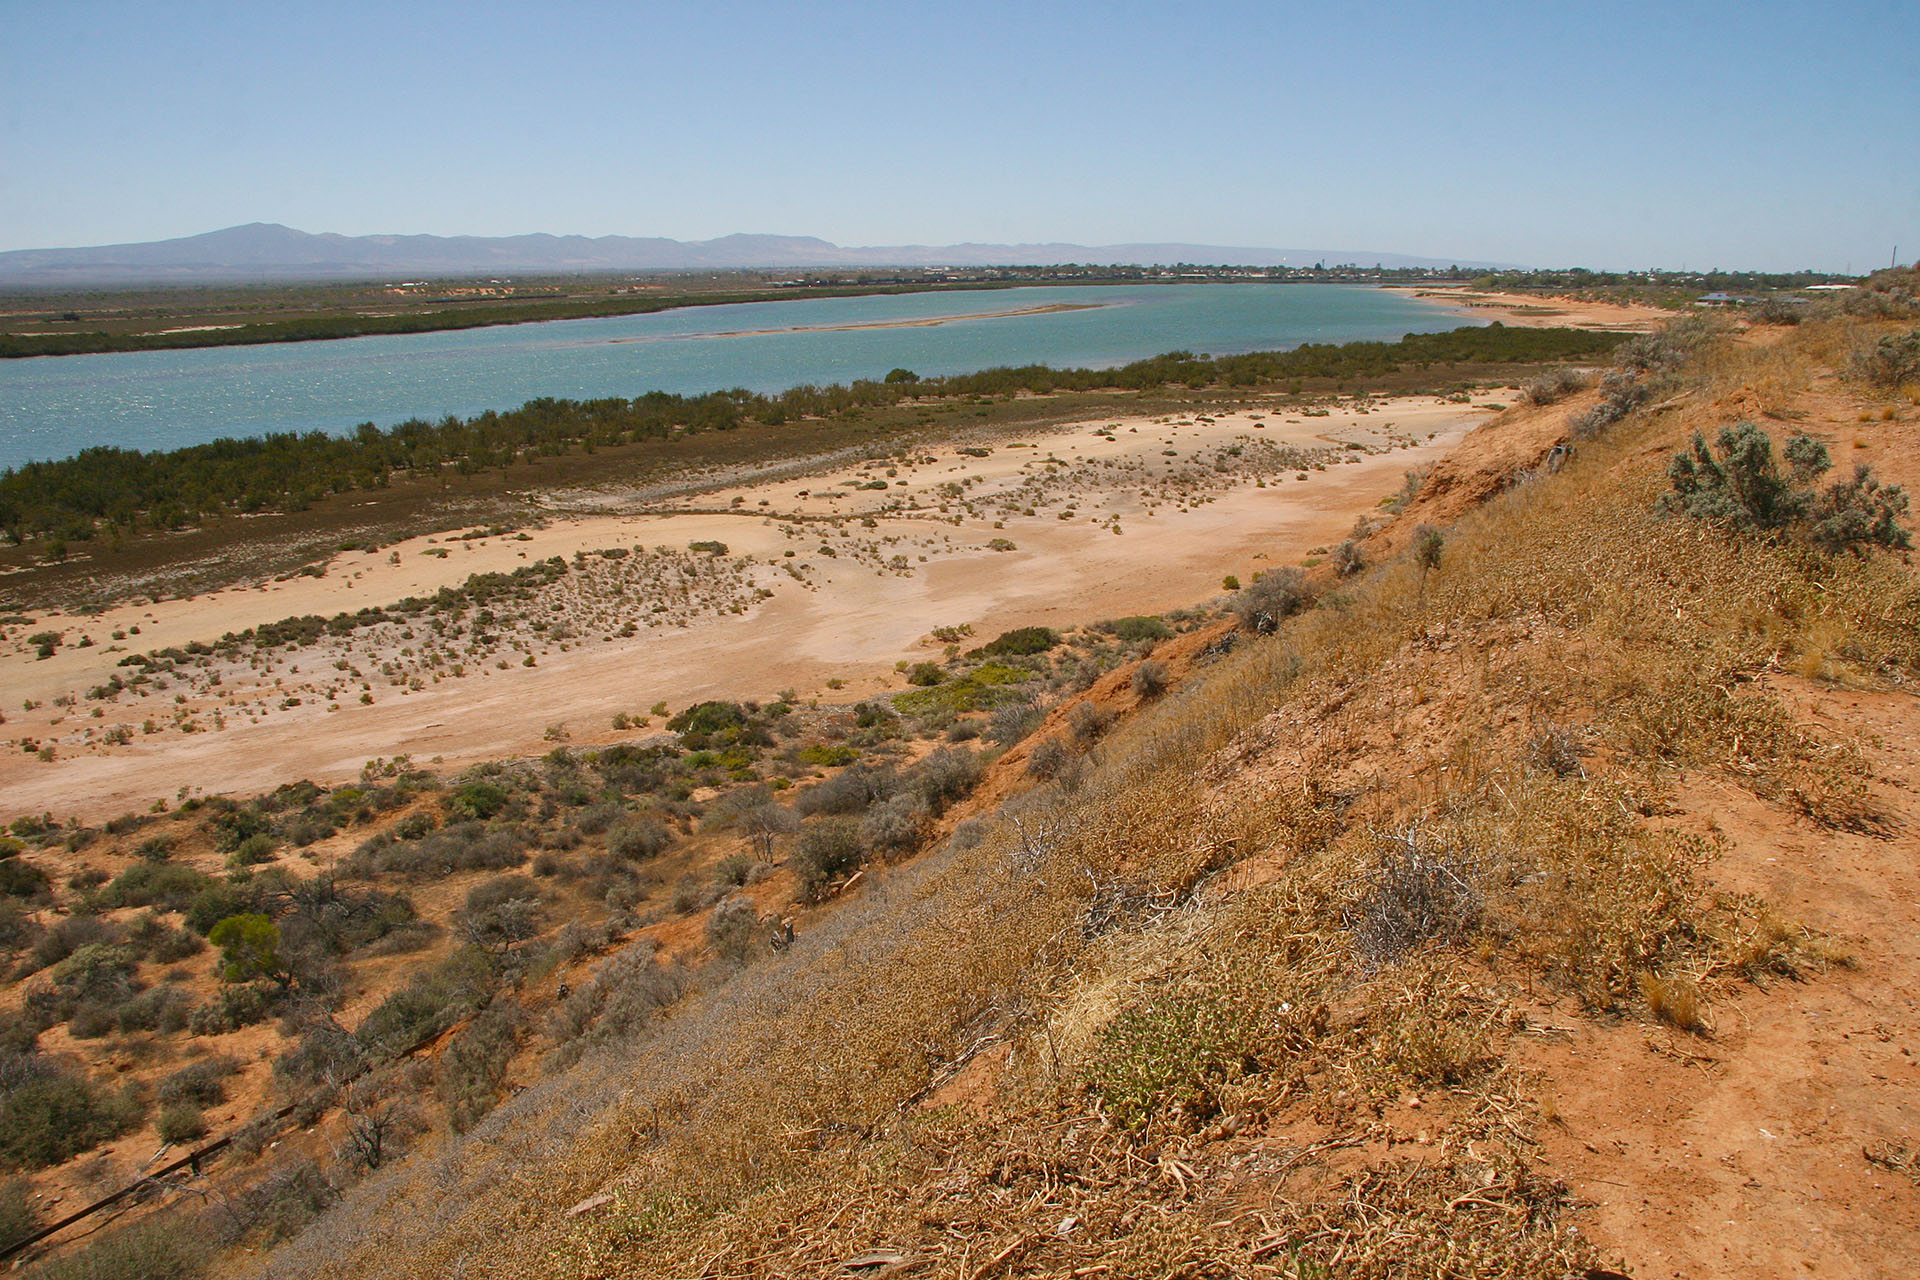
<point x="1526" y="311"/>
<point x="851" y="616"/>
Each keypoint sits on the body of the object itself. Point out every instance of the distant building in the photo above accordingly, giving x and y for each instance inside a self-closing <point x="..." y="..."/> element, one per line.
<point x="1717" y="299"/>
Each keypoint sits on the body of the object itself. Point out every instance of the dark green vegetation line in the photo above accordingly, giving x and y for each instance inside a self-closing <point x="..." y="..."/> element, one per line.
<point x="128" y="489"/>
<point x="318" y="328"/>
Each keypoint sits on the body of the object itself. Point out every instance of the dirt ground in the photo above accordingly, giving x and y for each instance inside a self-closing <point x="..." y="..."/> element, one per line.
<point x="1100" y="519"/>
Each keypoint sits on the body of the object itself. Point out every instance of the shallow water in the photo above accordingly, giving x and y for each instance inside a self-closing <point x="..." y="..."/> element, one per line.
<point x="54" y="406"/>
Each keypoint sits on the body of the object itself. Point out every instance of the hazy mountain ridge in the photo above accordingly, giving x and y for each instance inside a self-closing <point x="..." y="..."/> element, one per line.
<point x="272" y="251"/>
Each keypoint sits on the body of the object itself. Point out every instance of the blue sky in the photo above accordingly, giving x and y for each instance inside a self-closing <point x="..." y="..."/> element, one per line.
<point x="1555" y="132"/>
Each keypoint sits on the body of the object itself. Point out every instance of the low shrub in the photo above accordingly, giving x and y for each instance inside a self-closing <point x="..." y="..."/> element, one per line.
<point x="828" y="848"/>
<point x="1021" y="641"/>
<point x="49" y="1113"/>
<point x="1555" y="385"/>
<point x="162" y="1247"/>
<point x="180" y="1122"/>
<point x="1274" y="597"/>
<point x="1149" y="679"/>
<point x="639" y="840"/>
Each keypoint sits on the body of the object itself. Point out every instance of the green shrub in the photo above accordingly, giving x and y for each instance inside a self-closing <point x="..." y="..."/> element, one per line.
<point x="827" y="756"/>
<point x="925" y="674"/>
<point x="249" y="949"/>
<point x="146" y="884"/>
<point x="983" y="687"/>
<point x="478" y="800"/>
<point x="21" y="879"/>
<point x="1021" y="641"/>
<point x="1172" y="1052"/>
<point x="49" y="1115"/>
<point x="180" y="1122"/>
<point x="1140" y="627"/>
<point x="1739" y="486"/>
<point x="254" y="850"/>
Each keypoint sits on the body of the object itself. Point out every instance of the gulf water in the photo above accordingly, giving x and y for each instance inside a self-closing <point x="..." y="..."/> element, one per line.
<point x="52" y="407"/>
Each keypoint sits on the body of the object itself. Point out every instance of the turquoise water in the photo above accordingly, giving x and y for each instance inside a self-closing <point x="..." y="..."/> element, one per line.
<point x="52" y="407"/>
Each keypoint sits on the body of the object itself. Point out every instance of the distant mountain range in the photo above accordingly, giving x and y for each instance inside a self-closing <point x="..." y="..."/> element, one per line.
<point x="269" y="251"/>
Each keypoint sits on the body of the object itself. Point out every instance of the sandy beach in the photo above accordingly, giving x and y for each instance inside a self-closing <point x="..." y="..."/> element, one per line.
<point x="835" y="576"/>
<point x="1529" y="311"/>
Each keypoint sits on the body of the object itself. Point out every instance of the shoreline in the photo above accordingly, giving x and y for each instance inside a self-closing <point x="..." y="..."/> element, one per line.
<point x="1528" y="311"/>
<point x="1052" y="308"/>
<point x="835" y="576"/>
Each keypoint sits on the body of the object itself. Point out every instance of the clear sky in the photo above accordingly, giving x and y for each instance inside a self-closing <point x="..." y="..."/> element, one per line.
<point x="1751" y="133"/>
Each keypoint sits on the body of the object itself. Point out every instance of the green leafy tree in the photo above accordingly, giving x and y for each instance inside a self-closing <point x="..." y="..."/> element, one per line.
<point x="250" y="948"/>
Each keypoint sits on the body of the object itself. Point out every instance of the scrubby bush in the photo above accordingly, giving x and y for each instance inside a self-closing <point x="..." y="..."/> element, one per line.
<point x="1048" y="759"/>
<point x="1739" y="486"/>
<point x="20" y="878"/>
<point x="1087" y="722"/>
<point x="1272" y="598"/>
<point x="1348" y="559"/>
<point x="429" y="1004"/>
<point x="639" y="840"/>
<point x="17" y="1218"/>
<point x="946" y="776"/>
<point x="500" y="913"/>
<point x="1419" y="892"/>
<point x="180" y="1122"/>
<point x="1428" y="544"/>
<point x="465" y="846"/>
<point x="63" y="938"/>
<point x="1149" y="679"/>
<point x="202" y="1083"/>
<point x="1140" y="627"/>
<point x="50" y="1113"/>
<point x="163" y="1008"/>
<point x="234" y="1007"/>
<point x="1890" y="363"/>
<point x="147" y="884"/>
<point x="925" y="674"/>
<point x="1011" y="723"/>
<point x="625" y="992"/>
<point x="895" y="824"/>
<point x="278" y="1206"/>
<point x="157" y="940"/>
<point x="733" y="927"/>
<point x="478" y="800"/>
<point x="473" y="1070"/>
<point x="851" y="791"/>
<point x="1021" y="641"/>
<point x="1555" y="385"/>
<point x="163" y="1247"/>
<point x="828" y="848"/>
